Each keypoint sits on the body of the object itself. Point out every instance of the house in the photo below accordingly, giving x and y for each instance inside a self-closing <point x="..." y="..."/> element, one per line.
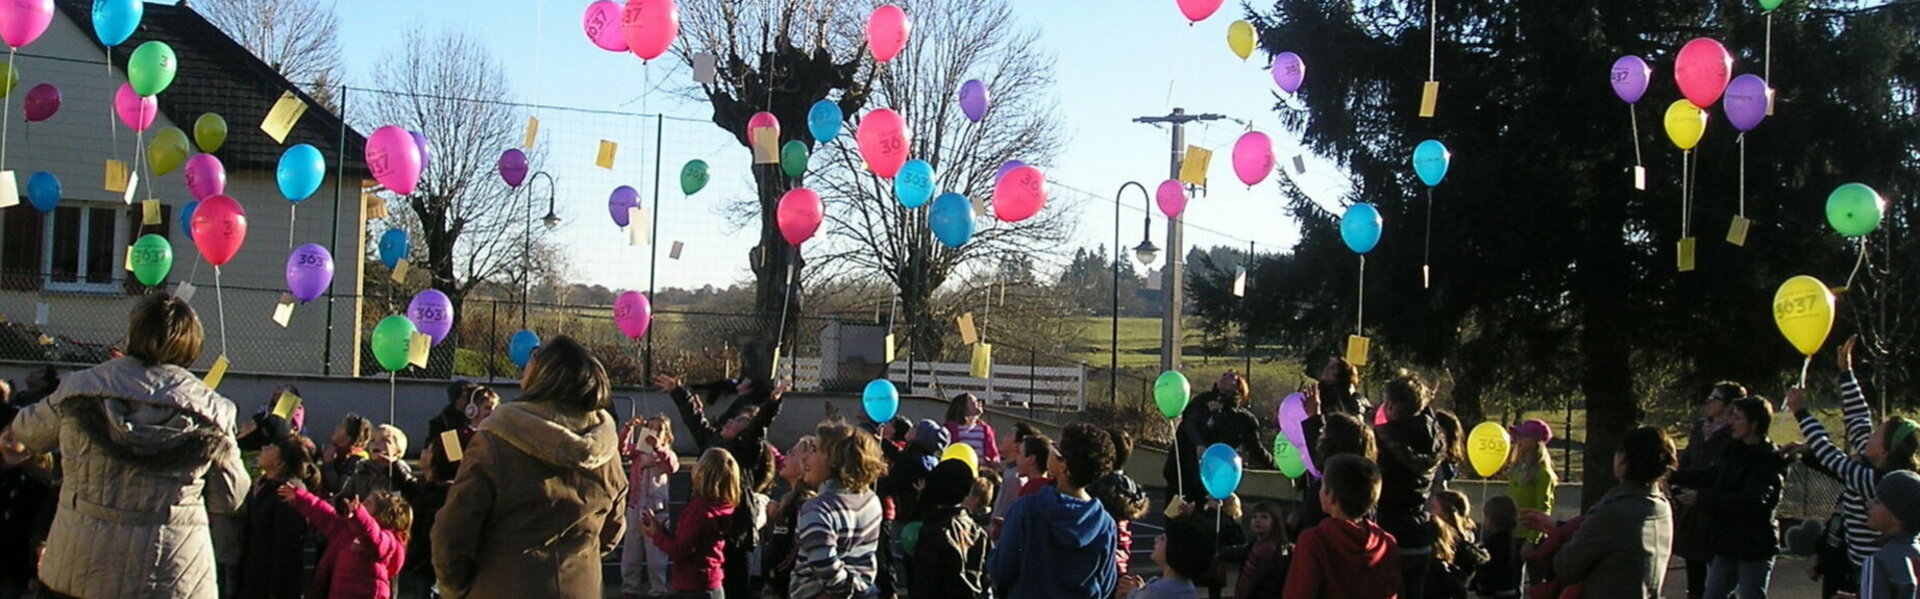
<point x="64" y="271"/>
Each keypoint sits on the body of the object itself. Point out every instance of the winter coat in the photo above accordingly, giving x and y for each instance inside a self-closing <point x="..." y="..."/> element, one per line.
<point x="1621" y="550"/>
<point x="838" y="543"/>
<point x="369" y="477"/>
<point x="1342" y="558"/>
<point x="147" y="454"/>
<point x="536" y="503"/>
<point x="911" y="467"/>
<point x="745" y="447"/>
<point x="1238" y="428"/>
<point x="275" y="538"/>
<point x="951" y="559"/>
<point x="1055" y="545"/>
<point x="1889" y="574"/>
<point x="1263" y="569"/>
<point x="1739" y="497"/>
<point x="1410" y="450"/>
<point x="426" y="498"/>
<point x="361" y="560"/>
<point x="449" y="418"/>
<point x="696" y="545"/>
<point x="1450" y="580"/>
<point x="1501" y="576"/>
<point x="1695" y="529"/>
<point x="647" y="485"/>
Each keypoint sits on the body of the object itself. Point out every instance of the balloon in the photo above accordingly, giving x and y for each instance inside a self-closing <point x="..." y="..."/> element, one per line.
<point x="951" y="219"/>
<point x="881" y="400"/>
<point x="1487" y="448"/>
<point x="1360" y="227"/>
<point x="301" y="171"/>
<point x="1630" y="74"/>
<point x="393" y="247"/>
<point x="1769" y="5"/>
<point x="520" y="347"/>
<point x="168" y="151"/>
<point x="632" y="312"/>
<point x="1199" y="10"/>
<point x="219" y="228"/>
<point x="883" y="139"/>
<point x="649" y="26"/>
<point x="764" y="120"/>
<point x="432" y="312"/>
<point x="42" y="101"/>
<point x="206" y="176"/>
<point x="22" y="21"/>
<point x="603" y="27"/>
<point x="973" y="100"/>
<point x="1172" y="198"/>
<point x="135" y="111"/>
<point x="309" y="271"/>
<point x="887" y="32"/>
<point x="1380" y="415"/>
<point x="1746" y="101"/>
<point x="1855" y="209"/>
<point x="43" y="191"/>
<point x="1240" y="39"/>
<point x="1289" y="71"/>
<point x="1287" y="457"/>
<point x="1220" y="470"/>
<point x="793" y="158"/>
<point x="186" y="218"/>
<point x="391" y="339"/>
<point x="513" y="167"/>
<point x="623" y="199"/>
<point x="394" y="159"/>
<point x="1430" y="161"/>
<point x="914" y="184"/>
<point x="823" y="120"/>
<point x="151" y="68"/>
<point x="151" y="258"/>
<point x="799" y="215"/>
<point x="115" y="20"/>
<point x="1685" y="124"/>
<point x="1020" y="195"/>
<point x="1702" y="69"/>
<point x="426" y="154"/>
<point x="1253" y="157"/>
<point x="693" y="177"/>
<point x="1292" y="416"/>
<point x="210" y="132"/>
<point x="1171" y="392"/>
<point x="964" y="454"/>
<point x="1006" y="167"/>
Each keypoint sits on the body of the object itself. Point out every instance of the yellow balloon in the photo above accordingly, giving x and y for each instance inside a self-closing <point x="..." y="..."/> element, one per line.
<point x="168" y="150"/>
<point x="1803" y="307"/>
<point x="1685" y="124"/>
<point x="964" y="453"/>
<point x="1487" y="448"/>
<point x="1240" y="38"/>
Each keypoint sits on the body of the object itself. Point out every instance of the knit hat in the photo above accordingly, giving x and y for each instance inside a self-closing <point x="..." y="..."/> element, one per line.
<point x="1900" y="492"/>
<point x="947" y="485"/>
<point x="1537" y="429"/>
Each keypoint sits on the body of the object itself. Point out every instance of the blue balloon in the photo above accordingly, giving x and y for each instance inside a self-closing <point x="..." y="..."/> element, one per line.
<point x="393" y="247"/>
<point x="520" y="347"/>
<point x="43" y="191"/>
<point x="301" y="171"/>
<point x="823" y="120"/>
<point x="914" y="183"/>
<point x="951" y="219"/>
<point x="1220" y="470"/>
<point x="1360" y="228"/>
<point x="881" y="399"/>
<point x="115" y="20"/>
<point x="186" y="218"/>
<point x="1430" y="161"/>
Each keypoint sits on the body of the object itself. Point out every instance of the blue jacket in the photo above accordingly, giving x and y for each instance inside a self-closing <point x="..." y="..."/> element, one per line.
<point x="1053" y="545"/>
<point x="1889" y="573"/>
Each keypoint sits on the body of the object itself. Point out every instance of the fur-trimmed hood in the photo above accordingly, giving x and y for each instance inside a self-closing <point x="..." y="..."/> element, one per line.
<point x="578" y="441"/>
<point x="162" y="418"/>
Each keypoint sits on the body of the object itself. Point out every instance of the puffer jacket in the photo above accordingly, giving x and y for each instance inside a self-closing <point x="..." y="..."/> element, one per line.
<point x="147" y="453"/>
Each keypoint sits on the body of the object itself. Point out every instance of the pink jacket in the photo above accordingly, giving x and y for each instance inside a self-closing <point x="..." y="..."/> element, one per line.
<point x="362" y="559"/>
<point x="647" y="486"/>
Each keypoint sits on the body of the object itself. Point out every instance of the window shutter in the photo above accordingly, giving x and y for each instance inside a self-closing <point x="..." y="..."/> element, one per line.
<point x="20" y="253"/>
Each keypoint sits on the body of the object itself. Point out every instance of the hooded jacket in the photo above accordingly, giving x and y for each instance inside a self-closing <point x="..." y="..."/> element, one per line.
<point x="1410" y="450"/>
<point x="1340" y="558"/>
<point x="536" y="504"/>
<point x="361" y="559"/>
<point x="950" y="560"/>
<point x="147" y="455"/>
<point x="697" y="546"/>
<point x="912" y="466"/>
<point x="1125" y="501"/>
<point x="1055" y="545"/>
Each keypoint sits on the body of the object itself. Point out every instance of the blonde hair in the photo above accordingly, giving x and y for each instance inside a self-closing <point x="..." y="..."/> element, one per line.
<point x="853" y="459"/>
<point x="717" y="477"/>
<point x="393" y="514"/>
<point x="396" y="439"/>
<point x="666" y="430"/>
<point x="1528" y="467"/>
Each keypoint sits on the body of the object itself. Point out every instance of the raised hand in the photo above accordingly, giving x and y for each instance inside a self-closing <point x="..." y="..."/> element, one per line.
<point x="1796" y="400"/>
<point x="666" y="383"/>
<point x="1844" y="355"/>
<point x="287" y="492"/>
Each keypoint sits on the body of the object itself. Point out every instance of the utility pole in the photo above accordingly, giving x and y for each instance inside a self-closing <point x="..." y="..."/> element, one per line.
<point x="1173" y="283"/>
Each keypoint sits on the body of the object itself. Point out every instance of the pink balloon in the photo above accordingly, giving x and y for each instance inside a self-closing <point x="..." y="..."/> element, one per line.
<point x="135" y="111"/>
<point x="1172" y="198"/>
<point x="206" y="176"/>
<point x="633" y="312"/>
<point x="887" y="32"/>
<point x="649" y="27"/>
<point x="883" y="139"/>
<point x="42" y="101"/>
<point x="1703" y="69"/>
<point x="1253" y="157"/>
<point x="1020" y="195"/>
<point x="219" y="228"/>
<point x="1380" y="415"/>
<point x="22" y="21"/>
<point x="394" y="159"/>
<point x="763" y="120"/>
<point x="799" y="215"/>
<point x="602" y="24"/>
<point x="1199" y="10"/>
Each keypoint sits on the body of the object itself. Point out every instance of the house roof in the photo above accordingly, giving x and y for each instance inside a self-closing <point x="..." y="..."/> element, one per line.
<point x="216" y="74"/>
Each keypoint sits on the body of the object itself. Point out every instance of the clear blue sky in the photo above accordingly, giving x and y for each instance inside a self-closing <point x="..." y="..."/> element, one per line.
<point x="1116" y="60"/>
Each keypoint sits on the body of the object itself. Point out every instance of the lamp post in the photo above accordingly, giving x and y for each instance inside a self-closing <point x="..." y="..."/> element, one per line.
<point x="551" y="220"/>
<point x="1146" y="253"/>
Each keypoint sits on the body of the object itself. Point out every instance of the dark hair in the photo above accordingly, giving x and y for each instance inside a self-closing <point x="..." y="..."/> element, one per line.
<point x="298" y="462"/>
<point x="1274" y="512"/>
<point x="1900" y="452"/>
<point x="1758" y="413"/>
<point x="1405" y="395"/>
<point x="1354" y="482"/>
<point x="564" y="373"/>
<point x="1503" y="515"/>
<point x="898" y="428"/>
<point x="1037" y="446"/>
<point x="1343" y="434"/>
<point x="163" y="331"/>
<point x="1122" y="446"/>
<point x="764" y="486"/>
<point x="1022" y="430"/>
<point x="359" y="430"/>
<point x="1727" y="391"/>
<point x="1649" y="454"/>
<point x="956" y="407"/>
<point x="1344" y="372"/>
<point x="1456" y="436"/>
<point x="1088" y="452"/>
<point x="458" y="390"/>
<point x="1189" y="548"/>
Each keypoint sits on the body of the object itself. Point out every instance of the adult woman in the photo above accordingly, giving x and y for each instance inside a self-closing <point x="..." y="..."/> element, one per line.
<point x="147" y="455"/>
<point x="536" y="502"/>
<point x="1738" y="496"/>
<point x="1340" y="390"/>
<point x="1621" y="547"/>
<point x="1705" y="444"/>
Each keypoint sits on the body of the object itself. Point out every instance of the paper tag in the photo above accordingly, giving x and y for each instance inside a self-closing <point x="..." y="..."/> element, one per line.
<point x="219" y="371"/>
<point x="1299" y="164"/>
<point x="774" y="372"/>
<point x="638" y="233"/>
<point x="1173" y="507"/>
<point x="605" y="158"/>
<point x="1240" y="281"/>
<point x="981" y="366"/>
<point x="126" y="263"/>
<point x="968" y="334"/>
<point x="286" y="111"/>
<point x="1737" y="232"/>
<point x="116" y="176"/>
<point x="288" y="402"/>
<point x="133" y="183"/>
<point x="1429" y="99"/>
<point x="766" y="145"/>
<point x="450" y="445"/>
<point x="674" y="254"/>
<point x="150" y="212"/>
<point x="979" y="205"/>
<point x="704" y="71"/>
<point x="1685" y="254"/>
<point x="376" y="206"/>
<point x="1193" y="168"/>
<point x="533" y="132"/>
<point x="887" y="356"/>
<point x="1426" y="276"/>
<point x="283" y="310"/>
<point x="1357" y="347"/>
<point x="40" y="314"/>
<point x="184" y="291"/>
<point x="1640" y="178"/>
<point x="9" y="190"/>
<point x="418" y="347"/>
<point x="400" y="271"/>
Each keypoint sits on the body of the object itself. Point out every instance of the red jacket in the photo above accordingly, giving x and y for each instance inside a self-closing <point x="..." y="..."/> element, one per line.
<point x="1344" y="559"/>
<point x="362" y="558"/>
<point x="696" y="547"/>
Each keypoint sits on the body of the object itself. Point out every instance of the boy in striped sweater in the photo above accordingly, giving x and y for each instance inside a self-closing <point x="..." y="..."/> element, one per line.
<point x="838" y="533"/>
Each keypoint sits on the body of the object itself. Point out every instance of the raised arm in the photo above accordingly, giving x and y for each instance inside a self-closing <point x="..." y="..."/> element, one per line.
<point x="1854" y="411"/>
<point x="690" y="407"/>
<point x="227" y="483"/>
<point x="319" y="515"/>
<point x="1857" y="476"/>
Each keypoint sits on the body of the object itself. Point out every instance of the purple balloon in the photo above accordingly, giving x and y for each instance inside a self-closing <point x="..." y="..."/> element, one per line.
<point x="1289" y="71"/>
<point x="432" y="313"/>
<point x="513" y="167"/>
<point x="1630" y="74"/>
<point x="624" y="198"/>
<point x="1292" y="415"/>
<point x="42" y="101"/>
<point x="309" y="271"/>
<point x="973" y="99"/>
<point x="1007" y="168"/>
<point x="1746" y="101"/>
<point x="426" y="157"/>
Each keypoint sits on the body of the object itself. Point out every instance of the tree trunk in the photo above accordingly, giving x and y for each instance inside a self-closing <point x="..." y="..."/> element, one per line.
<point x="1604" y="345"/>
<point x="772" y="287"/>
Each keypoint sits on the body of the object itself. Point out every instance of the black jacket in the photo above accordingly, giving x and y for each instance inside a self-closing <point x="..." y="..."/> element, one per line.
<point x="747" y="451"/>
<point x="275" y="537"/>
<point x="1238" y="428"/>
<point x="1410" y="450"/>
<point x="1738" y="496"/>
<point x="1500" y="577"/>
<point x="1182" y="472"/>
<point x="950" y="560"/>
<point x="1693" y="530"/>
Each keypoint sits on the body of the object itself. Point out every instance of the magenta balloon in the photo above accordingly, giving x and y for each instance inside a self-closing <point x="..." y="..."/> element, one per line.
<point x="1289" y="71"/>
<point x="633" y="312"/>
<point x="1702" y="70"/>
<point x="206" y="176"/>
<point x="137" y="112"/>
<point x="1630" y="75"/>
<point x="394" y="159"/>
<point x="1020" y="195"/>
<point x="602" y="23"/>
<point x="42" y="101"/>
<point x="513" y="167"/>
<point x="624" y="198"/>
<point x="974" y="100"/>
<point x="883" y="139"/>
<point x="1746" y="101"/>
<point x="1253" y="157"/>
<point x="799" y="215"/>
<point x="887" y="32"/>
<point x="1172" y="198"/>
<point x="649" y="26"/>
<point x="432" y="313"/>
<point x="309" y="271"/>
<point x="22" y="21"/>
<point x="1005" y="168"/>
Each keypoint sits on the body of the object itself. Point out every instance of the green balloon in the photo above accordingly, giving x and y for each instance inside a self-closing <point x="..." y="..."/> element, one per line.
<point x="12" y="80"/>
<point x="1287" y="457"/>
<point x="693" y="177"/>
<point x="168" y="150"/>
<point x="1855" y="210"/>
<point x="210" y="132"/>
<point x="1171" y="393"/>
<point x="152" y="259"/>
<point x="793" y="158"/>
<point x="390" y="340"/>
<point x="151" y="69"/>
<point x="1769" y="5"/>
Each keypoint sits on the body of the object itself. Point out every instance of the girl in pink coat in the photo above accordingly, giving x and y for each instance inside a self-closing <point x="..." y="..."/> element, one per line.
<point x="365" y="548"/>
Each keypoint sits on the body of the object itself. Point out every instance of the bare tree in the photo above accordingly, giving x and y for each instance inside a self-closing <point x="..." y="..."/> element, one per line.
<point x="298" y="38"/>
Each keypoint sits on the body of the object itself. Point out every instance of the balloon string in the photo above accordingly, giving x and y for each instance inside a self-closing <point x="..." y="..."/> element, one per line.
<point x="1179" y="478"/>
<point x="1766" y="59"/>
<point x="293" y="215"/>
<point x="1426" y="251"/>
<point x="1360" y="296"/>
<point x="220" y="300"/>
<point x="1803" y="371"/>
<point x="1743" y="175"/>
<point x="1633" y="116"/>
<point x="786" y="300"/>
<point x="392" y="389"/>
<point x="1433" y="36"/>
<point x="1857" y="262"/>
<point x="112" y="132"/>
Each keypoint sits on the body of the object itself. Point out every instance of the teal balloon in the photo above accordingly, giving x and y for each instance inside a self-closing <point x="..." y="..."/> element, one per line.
<point x="1171" y="392"/>
<point x="115" y="20"/>
<point x="520" y="347"/>
<point x="301" y="171"/>
<point x="186" y="218"/>
<point x="1360" y="228"/>
<point x="823" y="120"/>
<point x="390" y="340"/>
<point x="793" y="158"/>
<point x="694" y="177"/>
<point x="1287" y="457"/>
<point x="43" y="191"/>
<point x="951" y="219"/>
<point x="1220" y="470"/>
<point x="1853" y="209"/>
<point x="914" y="185"/>
<point x="152" y="259"/>
<point x="1430" y="161"/>
<point x="881" y="400"/>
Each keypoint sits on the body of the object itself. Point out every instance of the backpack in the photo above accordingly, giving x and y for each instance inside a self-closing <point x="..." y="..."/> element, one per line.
<point x="742" y="535"/>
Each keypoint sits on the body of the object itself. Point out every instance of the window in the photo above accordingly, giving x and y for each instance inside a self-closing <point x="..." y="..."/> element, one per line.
<point x="84" y="249"/>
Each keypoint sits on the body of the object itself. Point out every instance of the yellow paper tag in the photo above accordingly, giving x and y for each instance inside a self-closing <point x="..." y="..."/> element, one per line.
<point x="400" y="271"/>
<point x="605" y="158"/>
<point x="766" y="145"/>
<point x="887" y="358"/>
<point x="284" y="408"/>
<point x="533" y="132"/>
<point x="1429" y="99"/>
<point x="1737" y="232"/>
<point x="982" y="364"/>
<point x="116" y="176"/>
<point x="127" y="263"/>
<point x="1357" y="347"/>
<point x="418" y="346"/>
<point x="968" y="334"/>
<point x="219" y="371"/>
<point x="1193" y="168"/>
<point x="286" y="111"/>
<point x="1685" y="254"/>
<point x="1173" y="507"/>
<point x="1640" y="178"/>
<point x="450" y="445"/>
<point x="150" y="212"/>
<point x="376" y="206"/>
<point x="283" y="310"/>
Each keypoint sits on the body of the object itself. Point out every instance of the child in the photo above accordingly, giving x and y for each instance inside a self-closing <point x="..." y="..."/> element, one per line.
<point x="965" y="425"/>
<point x="1060" y="542"/>
<point x="1263" y="571"/>
<point x="273" y="533"/>
<point x="697" y="546"/>
<point x="1122" y="497"/>
<point x="1530" y="476"/>
<point x="1455" y="556"/>
<point x="1895" y="512"/>
<point x="1223" y="518"/>
<point x="951" y="558"/>
<point x="1033" y="465"/>
<point x="758" y="499"/>
<point x="1011" y="478"/>
<point x="367" y="546"/>
<point x="346" y="450"/>
<point x="28" y="498"/>
<point x="648" y="445"/>
<point x="385" y="468"/>
<point x="979" y="502"/>
<point x="1182" y="553"/>
<point x="838" y="536"/>
<point x="1500" y="577"/>
<point x="1346" y="555"/>
<point x="779" y="542"/>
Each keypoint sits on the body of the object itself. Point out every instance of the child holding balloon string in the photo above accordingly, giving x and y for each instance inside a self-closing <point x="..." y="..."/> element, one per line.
<point x="1530" y="475"/>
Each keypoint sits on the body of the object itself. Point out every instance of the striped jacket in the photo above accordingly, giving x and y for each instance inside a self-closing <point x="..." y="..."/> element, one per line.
<point x="836" y="540"/>
<point x="1858" y="476"/>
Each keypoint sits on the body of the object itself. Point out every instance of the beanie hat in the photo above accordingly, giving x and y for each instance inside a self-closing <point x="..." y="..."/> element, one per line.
<point x="1900" y="492"/>
<point x="1537" y="429"/>
<point x="947" y="485"/>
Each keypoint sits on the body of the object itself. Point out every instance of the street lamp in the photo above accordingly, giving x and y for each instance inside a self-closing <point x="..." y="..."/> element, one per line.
<point x="1145" y="252"/>
<point x="550" y="221"/>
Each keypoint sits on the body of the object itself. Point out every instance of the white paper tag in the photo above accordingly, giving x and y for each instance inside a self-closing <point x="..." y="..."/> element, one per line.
<point x="9" y="190"/>
<point x="184" y="291"/>
<point x="133" y="182"/>
<point x="1299" y="164"/>
<point x="638" y="231"/>
<point x="1240" y="281"/>
<point x="674" y="254"/>
<point x="40" y="314"/>
<point x="703" y="68"/>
